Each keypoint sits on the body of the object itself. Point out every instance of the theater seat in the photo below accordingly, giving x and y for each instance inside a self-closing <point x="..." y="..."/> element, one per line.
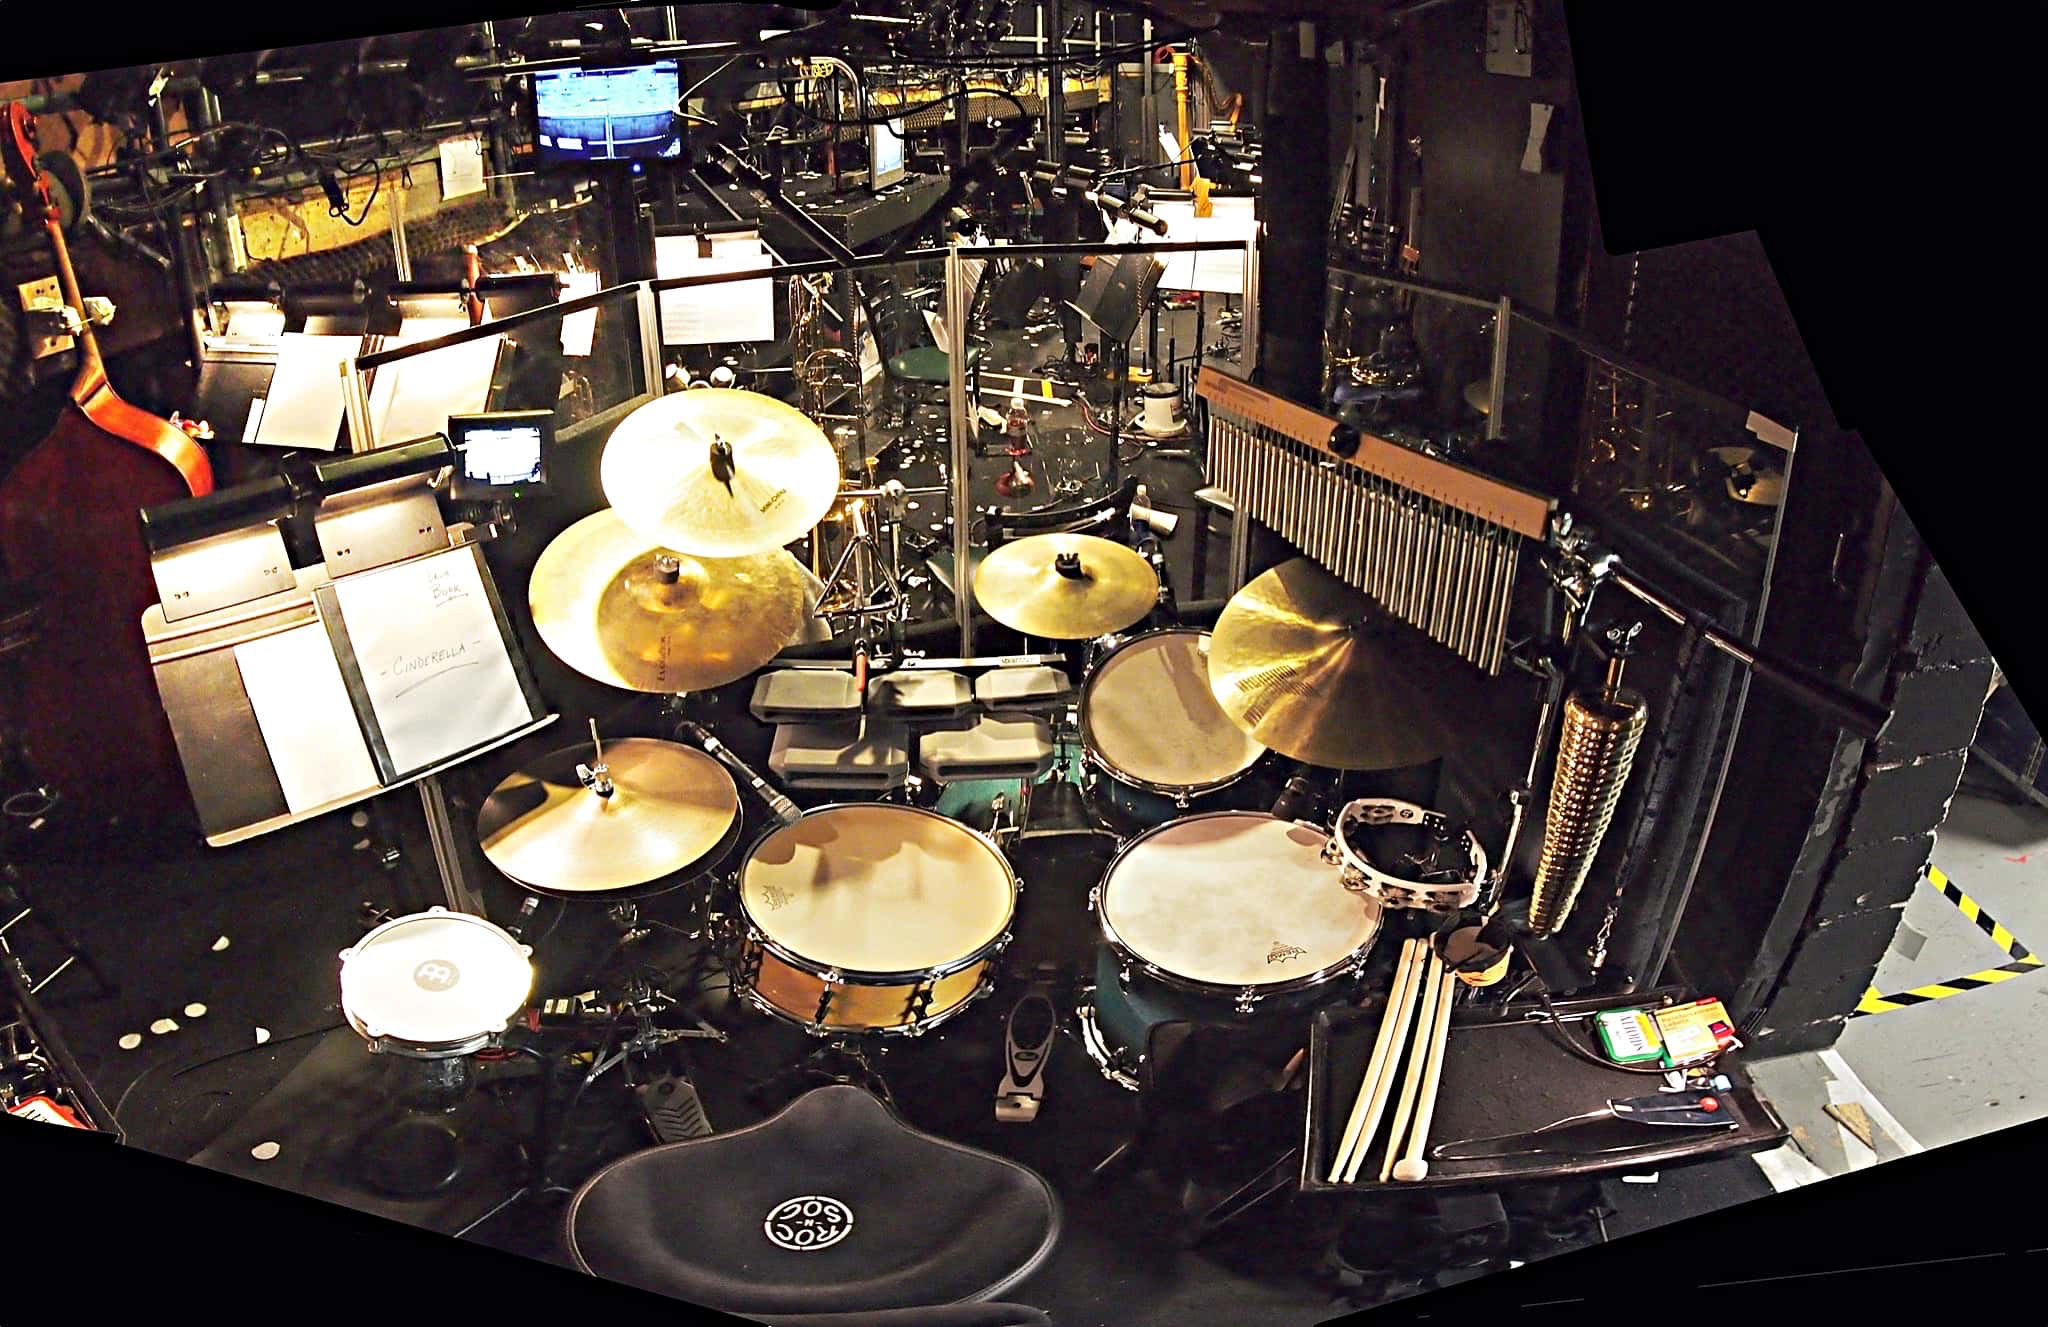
<point x="834" y="1207"/>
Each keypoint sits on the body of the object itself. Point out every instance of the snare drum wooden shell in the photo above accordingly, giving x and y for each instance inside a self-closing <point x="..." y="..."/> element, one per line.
<point x="790" y="987"/>
<point x="872" y="917"/>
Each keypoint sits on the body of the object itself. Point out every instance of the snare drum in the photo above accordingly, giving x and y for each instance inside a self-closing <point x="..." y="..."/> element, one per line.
<point x="1151" y="726"/>
<point x="434" y="985"/>
<point x="872" y="917"/>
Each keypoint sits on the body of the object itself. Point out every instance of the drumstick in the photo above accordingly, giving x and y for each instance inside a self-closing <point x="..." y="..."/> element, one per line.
<point x="1411" y="1085"/>
<point x="1369" y="1085"/>
<point x="1411" y="1000"/>
<point x="1412" y="1167"/>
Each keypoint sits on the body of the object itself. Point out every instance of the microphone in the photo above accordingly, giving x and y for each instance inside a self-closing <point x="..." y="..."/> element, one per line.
<point x="1298" y="799"/>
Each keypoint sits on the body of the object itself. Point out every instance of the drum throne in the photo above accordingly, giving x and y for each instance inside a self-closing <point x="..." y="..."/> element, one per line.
<point x="831" y="1211"/>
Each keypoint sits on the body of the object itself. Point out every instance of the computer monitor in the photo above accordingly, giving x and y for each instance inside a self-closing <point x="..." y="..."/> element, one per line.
<point x="886" y="151"/>
<point x="624" y="114"/>
<point x="501" y="454"/>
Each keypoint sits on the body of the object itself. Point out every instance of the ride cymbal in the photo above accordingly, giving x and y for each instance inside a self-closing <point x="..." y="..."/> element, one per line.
<point x="1066" y="586"/>
<point x="719" y="473"/>
<point x="646" y="619"/>
<point x="1314" y="670"/>
<point x="667" y="809"/>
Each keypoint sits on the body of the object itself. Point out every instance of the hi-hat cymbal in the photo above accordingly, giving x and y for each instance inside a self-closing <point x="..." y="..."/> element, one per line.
<point x="668" y="809"/>
<point x="607" y="605"/>
<point x="1314" y="670"/>
<point x="718" y="473"/>
<point x="1065" y="586"/>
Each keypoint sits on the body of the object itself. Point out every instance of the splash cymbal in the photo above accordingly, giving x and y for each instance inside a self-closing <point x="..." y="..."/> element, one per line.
<point x="1066" y="586"/>
<point x="1314" y="670"/>
<point x="648" y="619"/>
<point x="667" y="808"/>
<point x="719" y="473"/>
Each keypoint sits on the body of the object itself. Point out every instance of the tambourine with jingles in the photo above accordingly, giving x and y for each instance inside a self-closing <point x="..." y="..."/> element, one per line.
<point x="1445" y="889"/>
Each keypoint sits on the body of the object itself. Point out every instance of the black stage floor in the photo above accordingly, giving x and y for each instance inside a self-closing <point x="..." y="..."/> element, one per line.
<point x="224" y="964"/>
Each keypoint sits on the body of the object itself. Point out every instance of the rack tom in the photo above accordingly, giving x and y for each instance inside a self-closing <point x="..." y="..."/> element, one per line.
<point x="1151" y="728"/>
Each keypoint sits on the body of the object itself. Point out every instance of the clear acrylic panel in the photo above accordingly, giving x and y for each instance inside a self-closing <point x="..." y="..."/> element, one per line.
<point x="1638" y="451"/>
<point x="1407" y="363"/>
<point x="578" y="359"/>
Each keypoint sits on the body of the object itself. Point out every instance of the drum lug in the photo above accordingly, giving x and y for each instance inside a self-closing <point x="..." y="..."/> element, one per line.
<point x="1123" y="976"/>
<point x="1247" y="1000"/>
<point x="1180" y="799"/>
<point x="1094" y="898"/>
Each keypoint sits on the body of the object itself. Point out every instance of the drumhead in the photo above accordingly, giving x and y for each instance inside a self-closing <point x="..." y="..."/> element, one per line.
<point x="1148" y="714"/>
<point x="1235" y="898"/>
<point x="435" y="977"/>
<point x="877" y="889"/>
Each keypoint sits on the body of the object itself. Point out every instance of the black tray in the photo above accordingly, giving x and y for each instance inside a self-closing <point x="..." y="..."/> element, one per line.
<point x="1505" y="1072"/>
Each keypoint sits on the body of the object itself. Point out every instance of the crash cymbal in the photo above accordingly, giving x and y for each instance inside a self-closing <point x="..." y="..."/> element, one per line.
<point x="1314" y="670"/>
<point x="1065" y="586"/>
<point x="718" y="473"/>
<point x="668" y="809"/>
<point x="609" y="606"/>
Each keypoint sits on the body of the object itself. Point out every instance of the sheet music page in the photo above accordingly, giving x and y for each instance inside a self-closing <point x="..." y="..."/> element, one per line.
<point x="434" y="663"/>
<point x="579" y="330"/>
<point x="303" y="407"/>
<point x="720" y="314"/>
<point x="462" y="167"/>
<point x="307" y="720"/>
<point x="1219" y="272"/>
<point x="414" y="397"/>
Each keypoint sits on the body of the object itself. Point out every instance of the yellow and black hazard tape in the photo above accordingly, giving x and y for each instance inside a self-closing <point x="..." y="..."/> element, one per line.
<point x="2023" y="959"/>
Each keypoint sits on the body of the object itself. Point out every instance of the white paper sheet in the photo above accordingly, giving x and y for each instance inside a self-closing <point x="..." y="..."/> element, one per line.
<point x="433" y="661"/>
<point x="304" y="405"/>
<point x="308" y="723"/>
<point x="718" y="314"/>
<point x="1220" y="271"/>
<point x="462" y="167"/>
<point x="414" y="397"/>
<point x="579" y="330"/>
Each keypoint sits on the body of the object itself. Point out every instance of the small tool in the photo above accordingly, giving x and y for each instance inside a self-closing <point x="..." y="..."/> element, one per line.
<point x="1694" y="1109"/>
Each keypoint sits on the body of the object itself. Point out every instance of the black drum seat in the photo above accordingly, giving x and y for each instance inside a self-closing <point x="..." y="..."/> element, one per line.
<point x="832" y="1205"/>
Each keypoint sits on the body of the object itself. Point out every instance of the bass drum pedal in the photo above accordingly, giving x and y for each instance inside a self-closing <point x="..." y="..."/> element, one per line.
<point x="1027" y="1046"/>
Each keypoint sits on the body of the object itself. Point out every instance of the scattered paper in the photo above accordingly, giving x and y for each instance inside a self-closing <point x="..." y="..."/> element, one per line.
<point x="265" y="1151"/>
<point x="462" y="167"/>
<point x="131" y="1041"/>
<point x="262" y="1035"/>
<point x="1851" y="1117"/>
<point x="308" y="723"/>
<point x="1539" y="129"/>
<point x="433" y="658"/>
<point x="162" y="1026"/>
<point x="220" y="944"/>
<point x="195" y="1011"/>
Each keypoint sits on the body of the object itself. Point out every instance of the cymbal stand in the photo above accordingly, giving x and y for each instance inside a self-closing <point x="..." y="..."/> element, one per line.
<point x="642" y="999"/>
<point x="865" y="581"/>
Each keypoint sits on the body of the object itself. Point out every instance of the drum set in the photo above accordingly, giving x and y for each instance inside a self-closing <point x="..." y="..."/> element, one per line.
<point x="864" y="919"/>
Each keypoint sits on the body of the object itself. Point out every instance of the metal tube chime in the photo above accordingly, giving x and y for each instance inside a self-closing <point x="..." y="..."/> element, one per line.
<point x="1594" y="752"/>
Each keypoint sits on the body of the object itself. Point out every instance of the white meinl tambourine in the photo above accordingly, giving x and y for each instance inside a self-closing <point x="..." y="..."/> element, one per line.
<point x="1392" y="891"/>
